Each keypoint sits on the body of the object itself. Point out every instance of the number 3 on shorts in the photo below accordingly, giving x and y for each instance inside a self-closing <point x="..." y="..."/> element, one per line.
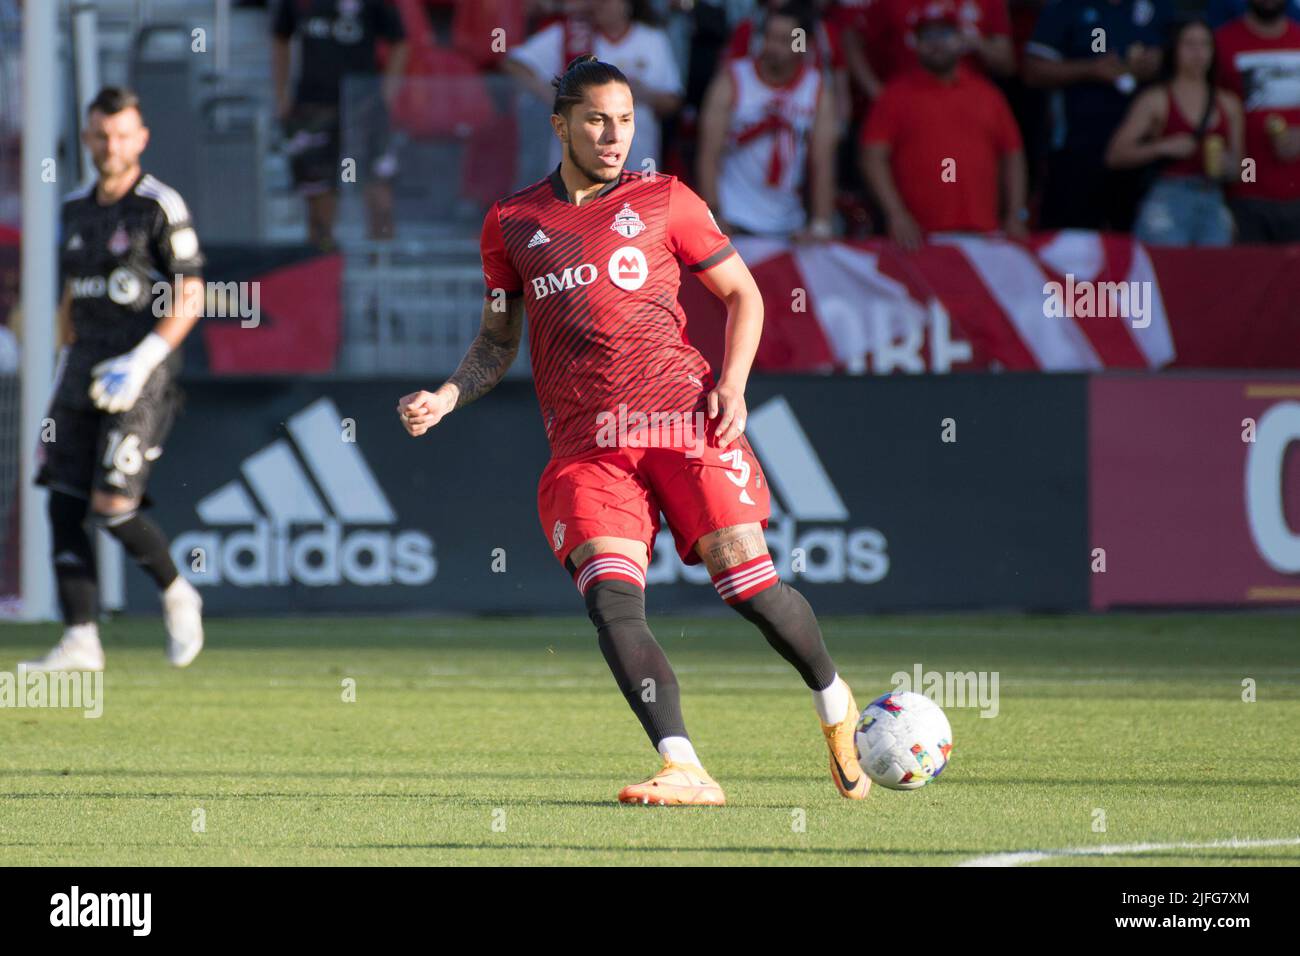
<point x="739" y="476"/>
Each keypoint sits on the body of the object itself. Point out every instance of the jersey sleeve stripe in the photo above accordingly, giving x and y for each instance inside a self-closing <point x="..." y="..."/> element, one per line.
<point x="710" y="261"/>
<point x="173" y="206"/>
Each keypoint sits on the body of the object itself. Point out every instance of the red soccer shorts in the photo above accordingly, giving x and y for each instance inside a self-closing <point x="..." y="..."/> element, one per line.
<point x="620" y="492"/>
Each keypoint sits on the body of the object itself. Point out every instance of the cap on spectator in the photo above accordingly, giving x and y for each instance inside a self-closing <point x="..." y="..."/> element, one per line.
<point x="937" y="13"/>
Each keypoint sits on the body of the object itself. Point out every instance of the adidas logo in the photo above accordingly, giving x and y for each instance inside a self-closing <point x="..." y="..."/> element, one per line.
<point x="75" y="243"/>
<point x="802" y="493"/>
<point x="292" y="502"/>
<point x="539" y="237"/>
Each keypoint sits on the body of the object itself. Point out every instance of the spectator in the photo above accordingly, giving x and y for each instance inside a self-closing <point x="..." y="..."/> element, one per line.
<point x="1219" y="12"/>
<point x="618" y="32"/>
<point x="337" y="39"/>
<point x="1028" y="104"/>
<point x="763" y="118"/>
<point x="747" y="39"/>
<point x="1259" y="60"/>
<point x="984" y="25"/>
<point x="941" y="148"/>
<point x="1093" y="54"/>
<point x="857" y="51"/>
<point x="825" y="42"/>
<point x="1192" y="131"/>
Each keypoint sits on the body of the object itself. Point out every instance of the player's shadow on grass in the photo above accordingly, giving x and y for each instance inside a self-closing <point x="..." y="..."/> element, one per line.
<point x="235" y="774"/>
<point x="460" y="799"/>
<point x="608" y="777"/>
<point x="952" y="781"/>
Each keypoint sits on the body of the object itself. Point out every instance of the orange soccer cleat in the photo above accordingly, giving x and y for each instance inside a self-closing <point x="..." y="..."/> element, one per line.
<point x="677" y="784"/>
<point x="846" y="772"/>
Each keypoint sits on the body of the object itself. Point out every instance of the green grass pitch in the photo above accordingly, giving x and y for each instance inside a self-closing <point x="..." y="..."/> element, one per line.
<point x="504" y="741"/>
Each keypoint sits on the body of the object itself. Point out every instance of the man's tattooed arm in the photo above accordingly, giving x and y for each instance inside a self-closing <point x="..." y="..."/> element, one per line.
<point x="492" y="352"/>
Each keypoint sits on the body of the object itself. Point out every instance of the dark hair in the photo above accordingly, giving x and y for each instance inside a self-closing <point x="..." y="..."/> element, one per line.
<point x="113" y="99"/>
<point x="582" y="72"/>
<point x="641" y="11"/>
<point x="798" y="10"/>
<point x="1169" y="63"/>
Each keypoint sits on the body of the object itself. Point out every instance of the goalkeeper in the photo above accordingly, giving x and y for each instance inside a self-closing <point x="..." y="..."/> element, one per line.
<point x="114" y="396"/>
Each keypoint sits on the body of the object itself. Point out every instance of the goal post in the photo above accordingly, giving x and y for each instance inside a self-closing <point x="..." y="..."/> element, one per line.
<point x="40" y="210"/>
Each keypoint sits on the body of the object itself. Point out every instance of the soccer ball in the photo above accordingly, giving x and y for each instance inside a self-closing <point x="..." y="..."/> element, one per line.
<point x="903" y="740"/>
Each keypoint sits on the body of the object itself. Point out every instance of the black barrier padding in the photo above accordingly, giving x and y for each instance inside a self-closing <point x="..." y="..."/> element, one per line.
<point x="995" y="519"/>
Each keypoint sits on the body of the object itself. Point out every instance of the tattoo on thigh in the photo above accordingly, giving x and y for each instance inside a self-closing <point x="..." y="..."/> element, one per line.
<point x="727" y="550"/>
<point x="581" y="553"/>
<point x="589" y="549"/>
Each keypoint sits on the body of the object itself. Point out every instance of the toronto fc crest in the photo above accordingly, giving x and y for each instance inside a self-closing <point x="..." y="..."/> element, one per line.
<point x="119" y="242"/>
<point x="627" y="223"/>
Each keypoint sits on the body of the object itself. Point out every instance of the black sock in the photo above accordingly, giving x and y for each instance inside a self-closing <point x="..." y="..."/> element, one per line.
<point x="790" y="626"/>
<point x="145" y="543"/>
<point x="638" y="663"/>
<point x="74" y="559"/>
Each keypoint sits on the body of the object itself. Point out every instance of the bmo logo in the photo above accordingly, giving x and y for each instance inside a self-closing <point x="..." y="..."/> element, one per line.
<point x="628" y="268"/>
<point x="124" y="286"/>
<point x="89" y="287"/>
<point x="570" y="278"/>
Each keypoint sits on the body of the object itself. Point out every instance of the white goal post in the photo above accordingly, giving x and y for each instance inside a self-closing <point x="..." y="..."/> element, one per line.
<point x="40" y="210"/>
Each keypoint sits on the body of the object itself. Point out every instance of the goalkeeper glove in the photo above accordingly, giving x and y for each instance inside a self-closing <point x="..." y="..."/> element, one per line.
<point x="118" y="382"/>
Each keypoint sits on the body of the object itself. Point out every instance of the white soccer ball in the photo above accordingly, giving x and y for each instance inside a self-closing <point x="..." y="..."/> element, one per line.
<point x="903" y="740"/>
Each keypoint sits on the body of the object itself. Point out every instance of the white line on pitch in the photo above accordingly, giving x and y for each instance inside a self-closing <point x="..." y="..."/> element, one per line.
<point x="1037" y="856"/>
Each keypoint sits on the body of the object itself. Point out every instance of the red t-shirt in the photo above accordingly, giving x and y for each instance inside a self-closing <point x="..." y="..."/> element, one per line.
<point x="600" y="283"/>
<point x="926" y="122"/>
<point x="891" y="23"/>
<point x="1265" y="73"/>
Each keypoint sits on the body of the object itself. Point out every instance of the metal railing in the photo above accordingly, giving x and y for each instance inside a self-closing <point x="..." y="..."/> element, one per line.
<point x="414" y="304"/>
<point x="412" y="307"/>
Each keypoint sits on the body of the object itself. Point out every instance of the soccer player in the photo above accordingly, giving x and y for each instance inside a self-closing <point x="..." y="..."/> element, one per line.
<point x="592" y="253"/>
<point x="114" y="396"/>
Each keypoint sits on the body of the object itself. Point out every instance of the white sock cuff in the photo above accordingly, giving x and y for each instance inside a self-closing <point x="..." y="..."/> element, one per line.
<point x="678" y="750"/>
<point x="82" y="632"/>
<point x="833" y="702"/>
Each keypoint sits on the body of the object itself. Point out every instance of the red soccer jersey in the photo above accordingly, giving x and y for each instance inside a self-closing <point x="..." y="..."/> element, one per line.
<point x="600" y="291"/>
<point x="1265" y="73"/>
